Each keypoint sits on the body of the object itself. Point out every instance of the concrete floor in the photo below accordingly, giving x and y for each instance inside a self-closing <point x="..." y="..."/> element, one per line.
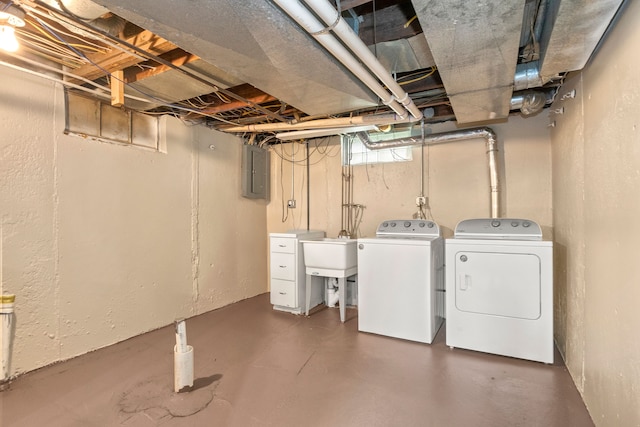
<point x="258" y="367"/>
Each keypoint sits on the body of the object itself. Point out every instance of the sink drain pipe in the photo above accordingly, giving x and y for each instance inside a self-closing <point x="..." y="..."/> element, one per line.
<point x="442" y="138"/>
<point x="6" y="313"/>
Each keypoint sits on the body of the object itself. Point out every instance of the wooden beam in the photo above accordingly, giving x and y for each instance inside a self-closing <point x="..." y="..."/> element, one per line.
<point x="177" y="57"/>
<point x="118" y="60"/>
<point x="117" y="88"/>
<point x="247" y="92"/>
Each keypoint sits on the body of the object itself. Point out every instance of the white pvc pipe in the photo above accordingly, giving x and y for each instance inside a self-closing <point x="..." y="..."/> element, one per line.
<point x="316" y="133"/>
<point x="373" y="119"/>
<point x="306" y="20"/>
<point x="182" y="359"/>
<point x="6" y="315"/>
<point x="181" y="336"/>
<point x="183" y="369"/>
<point x="325" y="10"/>
<point x="333" y="296"/>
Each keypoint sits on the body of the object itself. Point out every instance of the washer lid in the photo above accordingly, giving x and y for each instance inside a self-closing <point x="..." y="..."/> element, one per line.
<point x="498" y="228"/>
<point x="408" y="228"/>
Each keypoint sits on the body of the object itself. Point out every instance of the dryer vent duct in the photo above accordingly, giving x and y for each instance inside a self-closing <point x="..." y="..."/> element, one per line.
<point x="443" y="138"/>
<point x="529" y="102"/>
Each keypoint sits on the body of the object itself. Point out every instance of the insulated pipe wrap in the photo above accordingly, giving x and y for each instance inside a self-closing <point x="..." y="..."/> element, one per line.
<point x="446" y="137"/>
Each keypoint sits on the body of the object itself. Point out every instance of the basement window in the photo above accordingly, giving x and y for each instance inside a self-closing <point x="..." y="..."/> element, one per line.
<point x="355" y="153"/>
<point x="92" y="118"/>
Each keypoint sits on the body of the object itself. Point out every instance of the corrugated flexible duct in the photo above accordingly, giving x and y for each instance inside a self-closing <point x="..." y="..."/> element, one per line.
<point x="446" y="137"/>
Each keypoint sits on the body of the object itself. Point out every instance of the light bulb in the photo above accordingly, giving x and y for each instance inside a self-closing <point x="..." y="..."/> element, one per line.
<point x="8" y="39"/>
<point x="13" y="15"/>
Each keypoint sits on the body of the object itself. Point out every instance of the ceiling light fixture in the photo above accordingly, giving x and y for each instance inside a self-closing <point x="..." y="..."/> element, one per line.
<point x="11" y="16"/>
<point x="8" y="39"/>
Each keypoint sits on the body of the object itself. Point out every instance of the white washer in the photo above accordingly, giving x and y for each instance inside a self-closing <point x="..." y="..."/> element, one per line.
<point x="401" y="280"/>
<point x="499" y="282"/>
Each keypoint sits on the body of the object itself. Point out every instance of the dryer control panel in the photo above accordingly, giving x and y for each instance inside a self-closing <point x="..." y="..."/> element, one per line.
<point x="408" y="228"/>
<point x="498" y="228"/>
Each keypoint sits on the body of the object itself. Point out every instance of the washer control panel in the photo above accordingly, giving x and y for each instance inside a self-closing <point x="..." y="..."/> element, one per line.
<point x="408" y="228"/>
<point x="498" y="228"/>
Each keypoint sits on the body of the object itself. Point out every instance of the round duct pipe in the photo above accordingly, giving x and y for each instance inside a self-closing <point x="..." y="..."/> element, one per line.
<point x="442" y="138"/>
<point x="528" y="102"/>
<point x="527" y="76"/>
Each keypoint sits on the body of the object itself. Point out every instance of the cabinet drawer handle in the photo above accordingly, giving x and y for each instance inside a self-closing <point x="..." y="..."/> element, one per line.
<point x="282" y="266"/>
<point x="282" y="293"/>
<point x="282" y="246"/>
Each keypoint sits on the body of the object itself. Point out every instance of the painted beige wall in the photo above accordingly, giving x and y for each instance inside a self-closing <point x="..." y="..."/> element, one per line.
<point x="596" y="166"/>
<point x="101" y="242"/>
<point x="456" y="181"/>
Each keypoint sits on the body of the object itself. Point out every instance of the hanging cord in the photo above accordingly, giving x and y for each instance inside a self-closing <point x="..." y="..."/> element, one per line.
<point x="285" y="209"/>
<point x="298" y="223"/>
<point x="429" y="215"/>
<point x="421" y="200"/>
<point x="293" y="173"/>
<point x="308" y="185"/>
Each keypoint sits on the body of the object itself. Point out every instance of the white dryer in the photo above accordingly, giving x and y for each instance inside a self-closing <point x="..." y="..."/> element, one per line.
<point x="499" y="289"/>
<point x="401" y="280"/>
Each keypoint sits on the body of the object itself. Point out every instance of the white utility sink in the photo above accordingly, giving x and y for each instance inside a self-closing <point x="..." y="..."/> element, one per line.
<point x="330" y="258"/>
<point x="330" y="254"/>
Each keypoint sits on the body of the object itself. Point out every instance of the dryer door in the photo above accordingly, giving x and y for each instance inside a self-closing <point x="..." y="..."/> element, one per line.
<point x="500" y="284"/>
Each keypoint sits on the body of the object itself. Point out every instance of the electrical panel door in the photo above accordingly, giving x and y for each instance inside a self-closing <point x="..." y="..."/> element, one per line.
<point x="255" y="172"/>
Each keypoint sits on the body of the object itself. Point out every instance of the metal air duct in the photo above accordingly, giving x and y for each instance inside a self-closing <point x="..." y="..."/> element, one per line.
<point x="528" y="102"/>
<point x="343" y="31"/>
<point x="398" y="100"/>
<point x="475" y="46"/>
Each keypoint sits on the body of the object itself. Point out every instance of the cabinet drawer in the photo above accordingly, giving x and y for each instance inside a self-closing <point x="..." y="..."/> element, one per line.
<point x="283" y="293"/>
<point x="282" y="244"/>
<point x="283" y="266"/>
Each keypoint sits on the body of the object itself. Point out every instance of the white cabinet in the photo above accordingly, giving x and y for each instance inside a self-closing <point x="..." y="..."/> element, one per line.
<point x="287" y="269"/>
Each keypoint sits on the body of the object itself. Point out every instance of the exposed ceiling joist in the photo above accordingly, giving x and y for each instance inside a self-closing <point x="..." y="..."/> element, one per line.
<point x="250" y="63"/>
<point x="100" y="63"/>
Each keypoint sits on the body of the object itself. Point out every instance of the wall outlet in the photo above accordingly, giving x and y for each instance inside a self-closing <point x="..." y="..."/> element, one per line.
<point x="291" y="203"/>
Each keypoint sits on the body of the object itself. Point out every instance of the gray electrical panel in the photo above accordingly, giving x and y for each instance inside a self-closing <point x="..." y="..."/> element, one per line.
<point x="255" y="172"/>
